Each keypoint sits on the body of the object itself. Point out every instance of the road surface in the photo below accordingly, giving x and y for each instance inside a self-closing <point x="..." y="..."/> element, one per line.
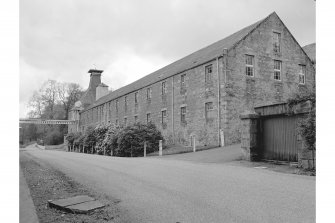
<point x="167" y="190"/>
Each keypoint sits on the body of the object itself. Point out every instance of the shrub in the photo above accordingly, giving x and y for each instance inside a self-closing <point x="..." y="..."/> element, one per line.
<point x="131" y="139"/>
<point x="78" y="139"/>
<point x="89" y="137"/>
<point x="100" y="133"/>
<point x="109" y="143"/>
<point x="70" y="138"/>
<point x="306" y="127"/>
<point x="307" y="130"/>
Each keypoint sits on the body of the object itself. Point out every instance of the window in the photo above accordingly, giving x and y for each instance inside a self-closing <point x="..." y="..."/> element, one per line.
<point x="276" y="42"/>
<point x="163" y="118"/>
<point x="117" y="105"/>
<point x="209" y="111"/>
<point x="277" y="69"/>
<point x="110" y="111"/>
<point x="164" y="88"/>
<point x="209" y="74"/>
<point x="136" y="97"/>
<point x="183" y="115"/>
<point x="149" y="94"/>
<point x="209" y="106"/>
<point x="148" y="117"/>
<point x="125" y="121"/>
<point x="182" y="80"/>
<point x="135" y="118"/>
<point x="249" y="65"/>
<point x="302" y="74"/>
<point x="182" y="84"/>
<point x="125" y="103"/>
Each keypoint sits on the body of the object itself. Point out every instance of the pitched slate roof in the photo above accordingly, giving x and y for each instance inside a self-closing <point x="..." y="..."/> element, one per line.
<point x="195" y="59"/>
<point x="311" y="51"/>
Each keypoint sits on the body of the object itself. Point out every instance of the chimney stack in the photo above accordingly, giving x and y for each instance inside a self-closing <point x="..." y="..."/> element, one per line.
<point x="90" y="96"/>
<point x="101" y="90"/>
<point x="95" y="79"/>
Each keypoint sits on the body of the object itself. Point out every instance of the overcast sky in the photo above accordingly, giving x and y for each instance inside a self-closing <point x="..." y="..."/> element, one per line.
<point x="128" y="39"/>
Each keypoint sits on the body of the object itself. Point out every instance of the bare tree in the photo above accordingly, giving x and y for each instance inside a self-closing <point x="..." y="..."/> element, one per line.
<point x="54" y="100"/>
<point x="68" y="94"/>
<point x="36" y="105"/>
<point x="48" y="93"/>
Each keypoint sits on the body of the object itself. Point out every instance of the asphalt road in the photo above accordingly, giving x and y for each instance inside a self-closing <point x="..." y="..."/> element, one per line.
<point x="168" y="190"/>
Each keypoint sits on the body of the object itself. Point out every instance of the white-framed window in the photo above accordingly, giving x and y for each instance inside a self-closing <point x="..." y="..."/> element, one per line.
<point x="136" y="97"/>
<point x="164" y="90"/>
<point x="277" y="70"/>
<point x="149" y="91"/>
<point x="125" y="103"/>
<point x="183" y="84"/>
<point x="148" y="118"/>
<point x="164" y="117"/>
<point x="276" y="42"/>
<point x="209" y="73"/>
<point x="209" y="106"/>
<point x="209" y="110"/>
<point x="302" y="74"/>
<point x="249" y="65"/>
<point x="183" y="114"/>
<point x="117" y="105"/>
<point x="110" y="111"/>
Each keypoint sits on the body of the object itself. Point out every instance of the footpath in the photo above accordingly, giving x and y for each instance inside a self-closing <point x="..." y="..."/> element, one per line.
<point x="27" y="208"/>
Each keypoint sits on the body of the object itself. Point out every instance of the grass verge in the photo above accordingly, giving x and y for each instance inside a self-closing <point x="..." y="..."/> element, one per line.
<point x="46" y="183"/>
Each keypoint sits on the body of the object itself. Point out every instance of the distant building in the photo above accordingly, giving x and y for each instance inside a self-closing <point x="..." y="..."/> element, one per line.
<point x="204" y="93"/>
<point x="311" y="51"/>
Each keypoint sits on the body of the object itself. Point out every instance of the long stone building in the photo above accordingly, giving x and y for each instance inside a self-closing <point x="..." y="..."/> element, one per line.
<point x="204" y="93"/>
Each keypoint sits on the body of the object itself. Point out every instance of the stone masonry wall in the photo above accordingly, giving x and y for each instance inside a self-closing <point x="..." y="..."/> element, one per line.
<point x="194" y="96"/>
<point x="242" y="93"/>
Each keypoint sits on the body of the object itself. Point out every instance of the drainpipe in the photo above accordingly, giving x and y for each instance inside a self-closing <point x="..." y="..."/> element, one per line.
<point x="173" y="135"/>
<point x="225" y="62"/>
<point x="219" y="121"/>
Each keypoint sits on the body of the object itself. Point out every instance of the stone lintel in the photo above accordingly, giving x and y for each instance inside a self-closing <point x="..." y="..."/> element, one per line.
<point x="249" y="116"/>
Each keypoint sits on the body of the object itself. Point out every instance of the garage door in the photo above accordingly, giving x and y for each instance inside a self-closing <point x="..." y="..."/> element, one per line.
<point x="279" y="141"/>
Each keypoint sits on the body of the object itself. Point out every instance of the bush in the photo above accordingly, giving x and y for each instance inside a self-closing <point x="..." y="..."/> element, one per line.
<point x="100" y="133"/>
<point x="131" y="140"/>
<point x="306" y="127"/>
<point x="89" y="138"/>
<point x="109" y="144"/>
<point x="70" y="138"/>
<point x="307" y="130"/>
<point x="78" y="139"/>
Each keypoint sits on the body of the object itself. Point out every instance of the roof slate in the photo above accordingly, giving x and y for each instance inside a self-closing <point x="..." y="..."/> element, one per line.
<point x="195" y="59"/>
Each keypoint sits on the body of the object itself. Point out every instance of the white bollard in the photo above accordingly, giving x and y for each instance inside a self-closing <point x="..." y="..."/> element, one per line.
<point x="193" y="141"/>
<point x="160" y="148"/>
<point x="145" y="149"/>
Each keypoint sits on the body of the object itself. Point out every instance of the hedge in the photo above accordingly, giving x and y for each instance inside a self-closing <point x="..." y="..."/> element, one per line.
<point x="117" y="141"/>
